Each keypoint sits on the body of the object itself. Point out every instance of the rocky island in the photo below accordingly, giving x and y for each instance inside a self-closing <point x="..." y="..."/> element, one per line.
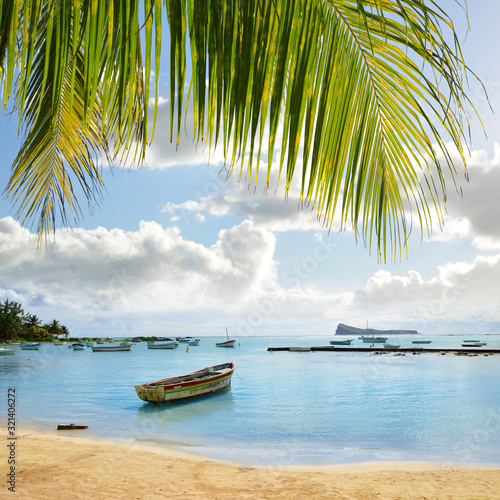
<point x="351" y="330"/>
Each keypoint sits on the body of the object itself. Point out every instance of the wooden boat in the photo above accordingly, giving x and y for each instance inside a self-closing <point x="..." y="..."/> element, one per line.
<point x="172" y="344"/>
<point x="111" y="348"/>
<point x="6" y="351"/>
<point x="71" y="427"/>
<point x="199" y="383"/>
<point x="30" y="346"/>
<point x="421" y="341"/>
<point x="227" y="343"/>
<point x="341" y="342"/>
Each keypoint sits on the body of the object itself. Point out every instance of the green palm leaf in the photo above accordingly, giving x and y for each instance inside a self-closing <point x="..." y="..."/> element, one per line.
<point x="367" y="94"/>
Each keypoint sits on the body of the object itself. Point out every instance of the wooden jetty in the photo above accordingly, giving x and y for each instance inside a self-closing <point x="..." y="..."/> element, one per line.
<point x="380" y="349"/>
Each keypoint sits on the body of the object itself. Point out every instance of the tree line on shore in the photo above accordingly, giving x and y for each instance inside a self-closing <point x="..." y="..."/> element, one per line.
<point x="16" y="324"/>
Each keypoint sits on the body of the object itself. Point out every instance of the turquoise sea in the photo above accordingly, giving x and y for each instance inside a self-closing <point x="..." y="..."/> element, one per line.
<point x="283" y="408"/>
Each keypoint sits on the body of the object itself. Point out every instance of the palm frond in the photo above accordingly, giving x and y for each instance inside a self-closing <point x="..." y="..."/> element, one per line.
<point x="367" y="93"/>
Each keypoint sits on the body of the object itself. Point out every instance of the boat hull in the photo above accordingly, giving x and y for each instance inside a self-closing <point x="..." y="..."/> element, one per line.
<point x="373" y="340"/>
<point x="30" y="347"/>
<point x="201" y="383"/>
<point x="340" y="342"/>
<point x="111" y="348"/>
<point x="163" y="345"/>
<point x="7" y="352"/>
<point x="228" y="343"/>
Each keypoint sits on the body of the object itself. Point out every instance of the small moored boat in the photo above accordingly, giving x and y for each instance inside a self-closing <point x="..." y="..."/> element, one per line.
<point x="341" y="342"/>
<point x="391" y="346"/>
<point x="227" y="343"/>
<point x="30" y="346"/>
<point x="373" y="340"/>
<point x="200" y="383"/>
<point x="111" y="348"/>
<point x="79" y="347"/>
<point x="172" y="344"/>
<point x="6" y="351"/>
<point x="59" y="342"/>
<point x="474" y="344"/>
<point x="421" y="341"/>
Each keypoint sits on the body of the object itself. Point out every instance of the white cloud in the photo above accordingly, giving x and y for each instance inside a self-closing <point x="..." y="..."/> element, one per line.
<point x="476" y="214"/>
<point x="163" y="154"/>
<point x="113" y="273"/>
<point x="461" y="292"/>
<point x="154" y="281"/>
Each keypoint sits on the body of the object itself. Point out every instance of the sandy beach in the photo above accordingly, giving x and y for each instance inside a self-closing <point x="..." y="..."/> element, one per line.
<point x="62" y="465"/>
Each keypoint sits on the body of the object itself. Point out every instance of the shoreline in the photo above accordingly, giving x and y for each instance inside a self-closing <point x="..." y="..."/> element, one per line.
<point x="60" y="466"/>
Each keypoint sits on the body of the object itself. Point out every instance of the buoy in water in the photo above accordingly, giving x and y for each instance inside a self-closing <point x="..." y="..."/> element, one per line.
<point x="187" y="349"/>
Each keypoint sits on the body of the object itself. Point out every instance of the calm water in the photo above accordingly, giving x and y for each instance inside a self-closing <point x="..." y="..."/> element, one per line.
<point x="284" y="408"/>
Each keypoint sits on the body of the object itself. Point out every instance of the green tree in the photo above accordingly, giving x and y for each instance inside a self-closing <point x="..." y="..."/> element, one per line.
<point x="32" y="320"/>
<point x="64" y="331"/>
<point x="54" y="328"/>
<point x="11" y="320"/>
<point x="368" y="92"/>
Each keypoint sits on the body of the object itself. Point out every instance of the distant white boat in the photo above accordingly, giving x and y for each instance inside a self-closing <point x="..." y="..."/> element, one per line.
<point x="30" y="346"/>
<point x="194" y="342"/>
<point x="6" y="351"/>
<point x="172" y="344"/>
<point x="79" y="347"/>
<point x="227" y="343"/>
<point x="111" y="348"/>
<point x="59" y="342"/>
<point x="373" y="340"/>
<point x="90" y="344"/>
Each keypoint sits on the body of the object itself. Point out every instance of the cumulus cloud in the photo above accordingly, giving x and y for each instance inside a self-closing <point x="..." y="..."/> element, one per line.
<point x="475" y="215"/>
<point x="88" y="274"/>
<point x="461" y="292"/>
<point x="155" y="281"/>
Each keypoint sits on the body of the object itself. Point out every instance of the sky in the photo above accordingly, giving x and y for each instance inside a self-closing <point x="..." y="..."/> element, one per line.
<point x="177" y="248"/>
